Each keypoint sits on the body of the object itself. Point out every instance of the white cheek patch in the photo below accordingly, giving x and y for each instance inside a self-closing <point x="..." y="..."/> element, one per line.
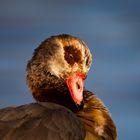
<point x="58" y="67"/>
<point x="56" y="64"/>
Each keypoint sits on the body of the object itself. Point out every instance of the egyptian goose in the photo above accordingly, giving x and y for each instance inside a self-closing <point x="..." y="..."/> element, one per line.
<point x="55" y="76"/>
<point x="56" y="73"/>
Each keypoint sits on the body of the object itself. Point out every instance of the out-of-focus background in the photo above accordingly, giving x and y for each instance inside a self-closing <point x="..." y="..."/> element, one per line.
<point x="110" y="28"/>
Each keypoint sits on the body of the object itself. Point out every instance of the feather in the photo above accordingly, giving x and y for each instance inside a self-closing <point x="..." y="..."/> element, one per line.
<point x="40" y="121"/>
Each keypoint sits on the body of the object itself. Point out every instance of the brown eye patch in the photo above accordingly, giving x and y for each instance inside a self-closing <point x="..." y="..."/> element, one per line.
<point x="72" y="55"/>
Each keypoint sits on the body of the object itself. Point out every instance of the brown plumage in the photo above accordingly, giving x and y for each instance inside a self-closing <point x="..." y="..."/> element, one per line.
<point x="53" y="62"/>
<point x="56" y="73"/>
<point x="96" y="119"/>
<point x="39" y="121"/>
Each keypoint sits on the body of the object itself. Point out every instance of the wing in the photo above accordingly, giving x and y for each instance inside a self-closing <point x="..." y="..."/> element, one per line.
<point x="40" y="121"/>
<point x="96" y="119"/>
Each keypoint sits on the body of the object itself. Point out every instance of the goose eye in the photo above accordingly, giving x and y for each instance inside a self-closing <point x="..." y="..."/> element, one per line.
<point x="71" y="56"/>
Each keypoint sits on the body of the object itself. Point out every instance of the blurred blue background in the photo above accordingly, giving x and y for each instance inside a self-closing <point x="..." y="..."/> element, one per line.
<point x="110" y="28"/>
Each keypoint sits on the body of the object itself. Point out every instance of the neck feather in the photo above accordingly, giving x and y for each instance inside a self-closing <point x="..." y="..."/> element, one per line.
<point x="61" y="97"/>
<point x="96" y="118"/>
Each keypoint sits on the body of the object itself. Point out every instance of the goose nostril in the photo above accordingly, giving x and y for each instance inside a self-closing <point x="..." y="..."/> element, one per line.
<point x="78" y="86"/>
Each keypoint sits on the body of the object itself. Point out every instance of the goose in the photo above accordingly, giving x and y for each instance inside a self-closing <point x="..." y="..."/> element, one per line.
<point x="65" y="109"/>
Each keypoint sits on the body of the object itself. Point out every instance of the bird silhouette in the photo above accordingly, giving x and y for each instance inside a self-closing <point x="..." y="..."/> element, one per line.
<point x="65" y="110"/>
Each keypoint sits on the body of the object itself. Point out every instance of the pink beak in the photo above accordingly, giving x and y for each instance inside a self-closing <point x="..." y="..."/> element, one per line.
<point x="75" y="84"/>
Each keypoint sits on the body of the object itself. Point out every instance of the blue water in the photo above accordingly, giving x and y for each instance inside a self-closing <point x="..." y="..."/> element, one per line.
<point x="110" y="28"/>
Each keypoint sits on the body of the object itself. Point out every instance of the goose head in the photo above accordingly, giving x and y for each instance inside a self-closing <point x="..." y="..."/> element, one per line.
<point x="60" y="64"/>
